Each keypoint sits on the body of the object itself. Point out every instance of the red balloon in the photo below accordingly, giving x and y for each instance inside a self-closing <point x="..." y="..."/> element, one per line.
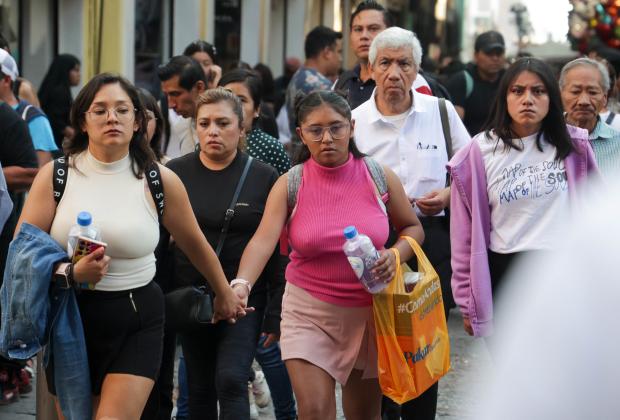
<point x="614" y="43"/>
<point x="613" y="11"/>
<point x="604" y="30"/>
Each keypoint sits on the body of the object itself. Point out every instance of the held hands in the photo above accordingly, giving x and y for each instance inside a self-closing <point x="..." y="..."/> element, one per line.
<point x="92" y="267"/>
<point x="434" y="202"/>
<point x="385" y="267"/>
<point x="231" y="306"/>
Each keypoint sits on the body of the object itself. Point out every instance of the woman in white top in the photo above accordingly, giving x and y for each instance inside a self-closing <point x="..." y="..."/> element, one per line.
<point x="510" y="187"/>
<point x="123" y="316"/>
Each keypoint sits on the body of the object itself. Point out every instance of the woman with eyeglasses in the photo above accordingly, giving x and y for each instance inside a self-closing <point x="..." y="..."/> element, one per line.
<point x="122" y="313"/>
<point x="327" y="329"/>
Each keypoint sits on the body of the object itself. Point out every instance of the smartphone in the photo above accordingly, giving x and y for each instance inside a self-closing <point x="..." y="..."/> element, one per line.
<point x="84" y="247"/>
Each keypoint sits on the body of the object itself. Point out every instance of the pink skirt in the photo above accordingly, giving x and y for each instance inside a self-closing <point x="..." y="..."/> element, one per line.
<point x="335" y="338"/>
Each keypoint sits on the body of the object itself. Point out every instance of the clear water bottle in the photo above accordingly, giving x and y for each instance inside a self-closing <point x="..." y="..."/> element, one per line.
<point x="362" y="256"/>
<point x="84" y="227"/>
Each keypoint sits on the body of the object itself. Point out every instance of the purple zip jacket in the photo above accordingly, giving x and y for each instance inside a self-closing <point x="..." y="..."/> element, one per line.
<point x="470" y="225"/>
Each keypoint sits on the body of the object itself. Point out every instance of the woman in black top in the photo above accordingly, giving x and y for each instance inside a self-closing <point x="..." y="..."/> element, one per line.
<point x="219" y="357"/>
<point x="55" y="95"/>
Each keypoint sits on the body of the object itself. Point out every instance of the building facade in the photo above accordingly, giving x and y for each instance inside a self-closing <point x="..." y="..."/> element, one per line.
<point x="133" y="37"/>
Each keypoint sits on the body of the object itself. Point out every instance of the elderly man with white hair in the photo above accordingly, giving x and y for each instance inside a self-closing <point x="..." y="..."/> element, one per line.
<point x="405" y="131"/>
<point x="584" y="84"/>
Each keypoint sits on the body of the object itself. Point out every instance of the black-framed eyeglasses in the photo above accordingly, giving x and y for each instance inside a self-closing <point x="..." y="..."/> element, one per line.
<point x="337" y="131"/>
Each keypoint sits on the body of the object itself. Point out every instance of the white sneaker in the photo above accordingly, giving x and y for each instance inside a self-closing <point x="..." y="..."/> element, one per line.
<point x="260" y="389"/>
<point x="253" y="408"/>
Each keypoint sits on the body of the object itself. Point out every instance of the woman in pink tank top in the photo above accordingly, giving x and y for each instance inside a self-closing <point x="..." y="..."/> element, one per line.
<point x="327" y="329"/>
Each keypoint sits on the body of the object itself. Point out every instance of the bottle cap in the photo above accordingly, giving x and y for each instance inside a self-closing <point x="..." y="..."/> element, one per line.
<point x="84" y="218"/>
<point x="350" y="232"/>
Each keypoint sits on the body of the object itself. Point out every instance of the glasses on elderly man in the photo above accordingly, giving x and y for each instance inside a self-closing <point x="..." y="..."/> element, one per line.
<point x="315" y="133"/>
<point x="123" y="113"/>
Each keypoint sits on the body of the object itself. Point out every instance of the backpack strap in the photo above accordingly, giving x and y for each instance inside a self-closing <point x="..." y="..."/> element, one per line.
<point x="445" y="126"/>
<point x="28" y="112"/>
<point x="293" y="182"/>
<point x="59" y="178"/>
<point x="377" y="174"/>
<point x="610" y="118"/>
<point x="156" y="187"/>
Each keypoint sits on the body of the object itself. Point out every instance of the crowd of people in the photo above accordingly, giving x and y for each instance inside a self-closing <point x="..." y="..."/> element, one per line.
<point x="235" y="181"/>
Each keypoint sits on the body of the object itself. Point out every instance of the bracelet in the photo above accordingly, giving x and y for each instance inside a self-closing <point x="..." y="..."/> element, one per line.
<point x="243" y="282"/>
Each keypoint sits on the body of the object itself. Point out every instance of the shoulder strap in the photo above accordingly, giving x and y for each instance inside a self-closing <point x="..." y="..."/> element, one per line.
<point x="377" y="173"/>
<point x="59" y="179"/>
<point x="445" y="126"/>
<point x="293" y="182"/>
<point x="610" y="118"/>
<point x="469" y="84"/>
<point x="230" y="212"/>
<point x="25" y="112"/>
<point x="156" y="187"/>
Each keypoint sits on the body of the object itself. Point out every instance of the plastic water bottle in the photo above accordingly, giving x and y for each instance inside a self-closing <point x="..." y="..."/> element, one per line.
<point x="362" y="256"/>
<point x="84" y="227"/>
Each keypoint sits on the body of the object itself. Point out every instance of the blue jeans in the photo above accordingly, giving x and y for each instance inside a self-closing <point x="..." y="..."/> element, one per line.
<point x="183" y="398"/>
<point x="279" y="383"/>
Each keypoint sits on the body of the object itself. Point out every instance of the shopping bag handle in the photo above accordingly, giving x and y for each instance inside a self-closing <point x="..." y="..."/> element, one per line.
<point x="424" y="265"/>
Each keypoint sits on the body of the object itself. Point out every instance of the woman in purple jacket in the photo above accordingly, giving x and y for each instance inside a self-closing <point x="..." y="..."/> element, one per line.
<point x="510" y="186"/>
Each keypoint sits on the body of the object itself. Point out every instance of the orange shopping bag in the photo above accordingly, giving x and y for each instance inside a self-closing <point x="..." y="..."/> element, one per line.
<point x="412" y="336"/>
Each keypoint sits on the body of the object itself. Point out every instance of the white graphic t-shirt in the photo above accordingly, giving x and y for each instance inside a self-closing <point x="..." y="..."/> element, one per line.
<point x="528" y="194"/>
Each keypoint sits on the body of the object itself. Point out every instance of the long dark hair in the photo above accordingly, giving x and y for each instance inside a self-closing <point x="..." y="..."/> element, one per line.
<point x="57" y="75"/>
<point x="553" y="125"/>
<point x="305" y="104"/>
<point x="150" y="104"/>
<point x="139" y="150"/>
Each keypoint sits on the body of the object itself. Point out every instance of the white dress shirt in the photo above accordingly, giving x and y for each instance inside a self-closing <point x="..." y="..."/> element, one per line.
<point x="416" y="152"/>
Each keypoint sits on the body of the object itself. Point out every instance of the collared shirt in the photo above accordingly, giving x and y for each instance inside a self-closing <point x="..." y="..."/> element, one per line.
<point x="606" y="144"/>
<point x="417" y="152"/>
<point x="183" y="137"/>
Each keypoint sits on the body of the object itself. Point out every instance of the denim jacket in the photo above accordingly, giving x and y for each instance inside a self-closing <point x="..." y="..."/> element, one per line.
<point x="36" y="312"/>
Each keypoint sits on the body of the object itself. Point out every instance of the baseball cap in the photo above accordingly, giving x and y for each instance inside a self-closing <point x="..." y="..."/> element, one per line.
<point x="490" y="41"/>
<point x="8" y="66"/>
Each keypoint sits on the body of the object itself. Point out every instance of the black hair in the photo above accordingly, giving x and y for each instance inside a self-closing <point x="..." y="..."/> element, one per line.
<point x="201" y="46"/>
<point x="267" y="78"/>
<point x="139" y="150"/>
<point x="305" y="104"/>
<point x="57" y="76"/>
<point x="189" y="71"/>
<point x="150" y="104"/>
<point x="553" y="124"/>
<point x="249" y="78"/>
<point x="318" y="39"/>
<point x="372" y="5"/>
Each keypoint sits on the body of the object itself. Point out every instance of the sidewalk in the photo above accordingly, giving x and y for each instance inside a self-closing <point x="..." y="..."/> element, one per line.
<point x="469" y="359"/>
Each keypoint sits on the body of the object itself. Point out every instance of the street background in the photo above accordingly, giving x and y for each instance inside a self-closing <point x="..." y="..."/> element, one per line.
<point x="469" y="358"/>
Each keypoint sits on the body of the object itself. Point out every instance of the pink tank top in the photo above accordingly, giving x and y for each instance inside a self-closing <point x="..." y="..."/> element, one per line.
<point x="328" y="200"/>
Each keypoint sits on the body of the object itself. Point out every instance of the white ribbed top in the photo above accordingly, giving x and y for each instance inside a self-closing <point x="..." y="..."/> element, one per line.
<point x="120" y="207"/>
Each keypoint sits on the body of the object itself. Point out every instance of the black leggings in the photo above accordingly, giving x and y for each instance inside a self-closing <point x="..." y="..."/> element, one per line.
<point x="218" y="360"/>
